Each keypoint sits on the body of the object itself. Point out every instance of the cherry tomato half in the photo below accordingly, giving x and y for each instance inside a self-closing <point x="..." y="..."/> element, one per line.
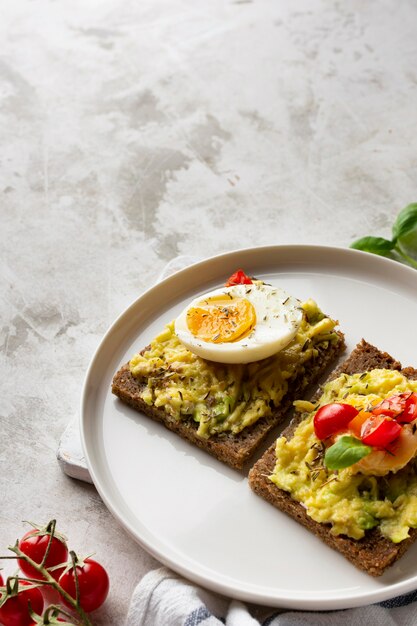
<point x="15" y="611"/>
<point x="379" y="431"/>
<point x="392" y="406"/>
<point x="410" y="410"/>
<point x="93" y="584"/>
<point x="238" y="278"/>
<point x="34" y="545"/>
<point x="333" y="418"/>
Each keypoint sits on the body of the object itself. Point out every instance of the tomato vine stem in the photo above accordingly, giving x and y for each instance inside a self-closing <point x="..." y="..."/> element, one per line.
<point x="50" y="580"/>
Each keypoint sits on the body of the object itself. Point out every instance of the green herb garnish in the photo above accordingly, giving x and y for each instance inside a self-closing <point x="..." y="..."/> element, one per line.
<point x="345" y="452"/>
<point x="403" y="245"/>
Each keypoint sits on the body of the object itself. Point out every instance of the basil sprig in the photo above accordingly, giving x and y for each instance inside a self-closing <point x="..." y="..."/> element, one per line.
<point x="345" y="452"/>
<point x="402" y="246"/>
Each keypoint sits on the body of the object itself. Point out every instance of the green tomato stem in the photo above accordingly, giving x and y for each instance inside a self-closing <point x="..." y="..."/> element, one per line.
<point x="74" y="567"/>
<point x="52" y="612"/>
<point x="51" y="530"/>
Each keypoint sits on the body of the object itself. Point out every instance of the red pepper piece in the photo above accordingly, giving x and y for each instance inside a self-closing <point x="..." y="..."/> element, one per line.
<point x="392" y="406"/>
<point x="410" y="410"/>
<point x="238" y="278"/>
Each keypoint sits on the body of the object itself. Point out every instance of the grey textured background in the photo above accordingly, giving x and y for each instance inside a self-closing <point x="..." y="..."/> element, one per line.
<point x="135" y="131"/>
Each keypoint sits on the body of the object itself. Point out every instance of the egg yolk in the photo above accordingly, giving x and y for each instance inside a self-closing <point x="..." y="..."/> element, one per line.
<point x="221" y="319"/>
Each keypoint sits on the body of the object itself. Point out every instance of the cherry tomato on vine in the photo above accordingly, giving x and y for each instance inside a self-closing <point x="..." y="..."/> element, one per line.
<point x="15" y="611"/>
<point x="379" y="431"/>
<point x="93" y="584"/>
<point x="238" y="278"/>
<point x="333" y="418"/>
<point x="34" y="544"/>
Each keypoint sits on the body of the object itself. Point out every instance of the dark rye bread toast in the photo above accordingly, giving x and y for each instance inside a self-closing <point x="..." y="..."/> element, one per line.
<point x="374" y="552"/>
<point x="232" y="449"/>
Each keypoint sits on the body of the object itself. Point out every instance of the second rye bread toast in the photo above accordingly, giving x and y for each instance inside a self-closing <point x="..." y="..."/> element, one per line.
<point x="374" y="552"/>
<point x="232" y="449"/>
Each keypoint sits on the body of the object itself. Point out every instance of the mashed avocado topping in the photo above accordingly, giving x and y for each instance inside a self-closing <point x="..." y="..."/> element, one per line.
<point x="227" y="397"/>
<point x="351" y="502"/>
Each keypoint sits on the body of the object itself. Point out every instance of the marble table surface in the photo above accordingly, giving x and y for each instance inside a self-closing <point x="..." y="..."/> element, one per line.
<point x="133" y="132"/>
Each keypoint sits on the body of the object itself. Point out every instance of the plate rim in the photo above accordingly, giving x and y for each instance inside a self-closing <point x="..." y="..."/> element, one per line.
<point x="248" y="594"/>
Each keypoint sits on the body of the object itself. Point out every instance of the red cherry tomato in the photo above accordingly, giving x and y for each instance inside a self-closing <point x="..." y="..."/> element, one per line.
<point x="410" y="410"/>
<point x="333" y="418"/>
<point x="379" y="431"/>
<point x="392" y="406"/>
<point x="34" y="546"/>
<point x="238" y="278"/>
<point x="1" y="581"/>
<point x="15" y="611"/>
<point x="93" y="584"/>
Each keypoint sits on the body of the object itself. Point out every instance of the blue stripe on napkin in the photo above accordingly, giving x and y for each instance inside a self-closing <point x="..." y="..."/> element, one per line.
<point x="200" y="615"/>
<point x="404" y="600"/>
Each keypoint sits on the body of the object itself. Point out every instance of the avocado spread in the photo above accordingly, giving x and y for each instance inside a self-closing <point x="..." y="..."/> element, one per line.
<point x="351" y="502"/>
<point x="227" y="397"/>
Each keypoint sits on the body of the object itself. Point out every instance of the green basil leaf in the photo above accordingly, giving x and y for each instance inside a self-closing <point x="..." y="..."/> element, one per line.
<point x="406" y="226"/>
<point x="377" y="245"/>
<point x="406" y="221"/>
<point x="406" y="248"/>
<point x="345" y="452"/>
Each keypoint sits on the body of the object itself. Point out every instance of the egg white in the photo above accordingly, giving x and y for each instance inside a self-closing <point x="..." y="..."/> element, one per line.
<point x="278" y="318"/>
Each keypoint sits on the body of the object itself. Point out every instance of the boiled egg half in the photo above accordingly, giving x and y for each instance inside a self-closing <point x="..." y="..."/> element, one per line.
<point x="239" y="324"/>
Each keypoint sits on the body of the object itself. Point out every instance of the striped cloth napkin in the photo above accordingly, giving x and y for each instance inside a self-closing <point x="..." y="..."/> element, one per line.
<point x="164" y="599"/>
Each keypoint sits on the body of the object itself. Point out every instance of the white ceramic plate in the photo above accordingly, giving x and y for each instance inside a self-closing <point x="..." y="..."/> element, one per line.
<point x="195" y="514"/>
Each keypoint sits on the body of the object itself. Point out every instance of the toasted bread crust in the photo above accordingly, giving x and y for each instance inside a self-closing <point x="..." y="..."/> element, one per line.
<point x="374" y="553"/>
<point x="234" y="450"/>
